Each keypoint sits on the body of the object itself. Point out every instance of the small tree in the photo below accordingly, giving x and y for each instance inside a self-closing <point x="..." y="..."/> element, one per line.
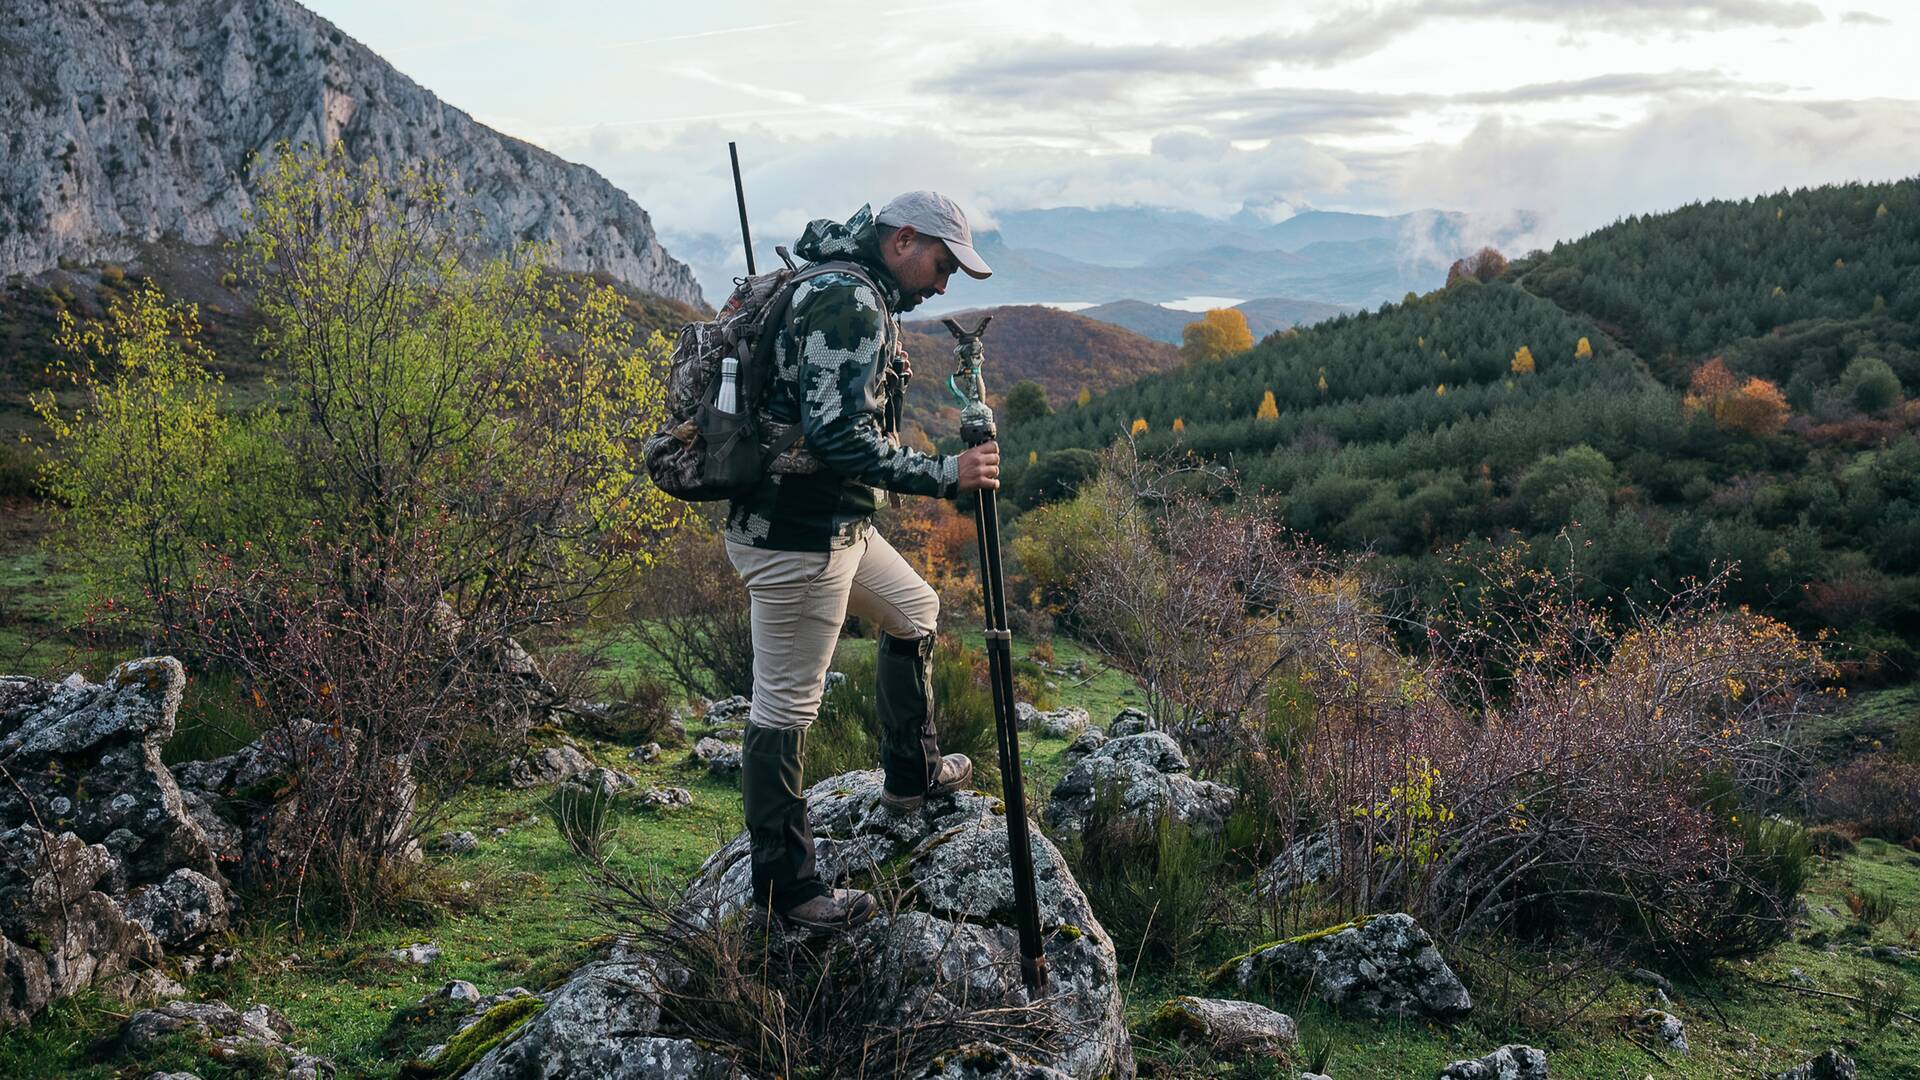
<point x="1139" y="426"/>
<point x="1522" y="361"/>
<point x="1269" y="410"/>
<point x="1026" y="402"/>
<point x="1584" y="350"/>
<point x="1219" y="333"/>
<point x="1481" y="266"/>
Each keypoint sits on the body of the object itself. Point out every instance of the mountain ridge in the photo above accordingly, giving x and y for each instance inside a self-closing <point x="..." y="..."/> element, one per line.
<point x="135" y="125"/>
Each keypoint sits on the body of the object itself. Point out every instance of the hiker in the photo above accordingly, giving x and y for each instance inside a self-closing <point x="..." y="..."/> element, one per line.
<point x="805" y="546"/>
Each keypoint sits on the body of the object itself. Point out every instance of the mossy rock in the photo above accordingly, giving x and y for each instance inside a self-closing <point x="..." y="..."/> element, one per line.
<point x="469" y="1046"/>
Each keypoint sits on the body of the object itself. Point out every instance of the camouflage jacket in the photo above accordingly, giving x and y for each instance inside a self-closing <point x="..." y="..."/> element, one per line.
<point x="835" y="376"/>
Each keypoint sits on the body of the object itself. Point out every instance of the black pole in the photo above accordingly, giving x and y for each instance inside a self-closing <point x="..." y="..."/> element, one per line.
<point x="976" y="427"/>
<point x="740" y="196"/>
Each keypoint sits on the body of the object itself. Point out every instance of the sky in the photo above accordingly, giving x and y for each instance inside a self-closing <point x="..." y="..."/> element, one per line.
<point x="1579" y="112"/>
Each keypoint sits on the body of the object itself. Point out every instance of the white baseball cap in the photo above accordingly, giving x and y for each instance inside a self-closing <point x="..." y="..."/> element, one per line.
<point x="934" y="214"/>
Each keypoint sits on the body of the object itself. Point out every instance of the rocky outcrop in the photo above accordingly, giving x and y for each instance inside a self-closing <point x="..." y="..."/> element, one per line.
<point x="133" y="121"/>
<point x="1831" y="1065"/>
<point x="1131" y="721"/>
<point x="1506" y="1063"/>
<point x="1232" y="1030"/>
<point x="260" y="1034"/>
<point x="101" y="861"/>
<point x="1308" y="861"/>
<point x="721" y="760"/>
<point x="731" y="713"/>
<point x="1378" y="965"/>
<point x="1667" y="1028"/>
<point x="1140" y="778"/>
<point x="1062" y="723"/>
<point x="941" y="957"/>
<point x="549" y="766"/>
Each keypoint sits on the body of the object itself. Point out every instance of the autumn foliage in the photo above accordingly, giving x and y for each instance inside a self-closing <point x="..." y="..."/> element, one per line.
<point x="1482" y="266"/>
<point x="1220" y="333"/>
<point x="1751" y="407"/>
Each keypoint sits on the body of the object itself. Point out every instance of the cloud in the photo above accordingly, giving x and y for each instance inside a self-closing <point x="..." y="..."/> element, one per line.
<point x="1679" y="153"/>
<point x="1057" y="69"/>
<point x="1865" y="18"/>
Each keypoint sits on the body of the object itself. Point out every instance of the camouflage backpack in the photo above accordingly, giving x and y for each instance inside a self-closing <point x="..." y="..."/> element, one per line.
<point x="702" y="453"/>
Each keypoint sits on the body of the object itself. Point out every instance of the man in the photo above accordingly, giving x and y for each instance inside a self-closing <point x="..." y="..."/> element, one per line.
<point x="804" y="546"/>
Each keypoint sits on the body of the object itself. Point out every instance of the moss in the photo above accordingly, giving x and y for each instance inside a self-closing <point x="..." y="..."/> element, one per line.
<point x="1175" y="1017"/>
<point x="1070" y="931"/>
<point x="471" y="1045"/>
<point x="1226" y="970"/>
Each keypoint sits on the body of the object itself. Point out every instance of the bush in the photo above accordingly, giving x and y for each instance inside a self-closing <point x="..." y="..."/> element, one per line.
<point x="640" y="712"/>
<point x="692" y="612"/>
<point x="1750" y="907"/>
<point x="1161" y="892"/>
<point x="1878" y="795"/>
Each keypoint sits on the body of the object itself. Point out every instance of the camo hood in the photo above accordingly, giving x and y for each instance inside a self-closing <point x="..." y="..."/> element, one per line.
<point x="856" y="239"/>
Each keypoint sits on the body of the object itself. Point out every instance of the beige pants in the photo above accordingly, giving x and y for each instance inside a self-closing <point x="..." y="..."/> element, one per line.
<point x="801" y="598"/>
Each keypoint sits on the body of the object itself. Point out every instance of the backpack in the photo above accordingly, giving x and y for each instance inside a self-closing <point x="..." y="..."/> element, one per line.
<point x="703" y="454"/>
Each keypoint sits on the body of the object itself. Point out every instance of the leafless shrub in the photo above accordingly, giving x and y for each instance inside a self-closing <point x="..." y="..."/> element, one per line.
<point x="691" y="611"/>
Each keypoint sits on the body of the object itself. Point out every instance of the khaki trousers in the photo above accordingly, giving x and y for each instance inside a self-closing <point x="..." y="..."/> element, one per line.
<point x="801" y="598"/>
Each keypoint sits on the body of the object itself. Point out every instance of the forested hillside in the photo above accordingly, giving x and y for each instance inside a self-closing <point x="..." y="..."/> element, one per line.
<point x="1728" y="382"/>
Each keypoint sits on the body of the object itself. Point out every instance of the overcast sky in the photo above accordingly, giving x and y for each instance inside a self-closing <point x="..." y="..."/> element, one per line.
<point x="1580" y="111"/>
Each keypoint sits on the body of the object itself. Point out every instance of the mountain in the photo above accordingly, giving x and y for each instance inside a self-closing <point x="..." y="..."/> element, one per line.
<point x="132" y="122"/>
<point x="1733" y="382"/>
<point x="1264" y="316"/>
<point x="1073" y="254"/>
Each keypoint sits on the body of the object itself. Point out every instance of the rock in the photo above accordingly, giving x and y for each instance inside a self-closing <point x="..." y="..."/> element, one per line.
<point x="645" y="755"/>
<point x="950" y="947"/>
<point x="1146" y="775"/>
<point x="174" y="1076"/>
<point x="1831" y="1065"/>
<point x="423" y="953"/>
<point x="230" y="1035"/>
<point x="1378" y="965"/>
<point x="1090" y="740"/>
<point x="1314" y="1076"/>
<point x="456" y="843"/>
<point x="603" y="1021"/>
<point x="1063" y="723"/>
<point x="254" y="790"/>
<point x="553" y="765"/>
<point x="667" y="798"/>
<point x="835" y="680"/>
<point x="720" y="759"/>
<point x="455" y="992"/>
<point x="61" y="935"/>
<point x="85" y="759"/>
<point x="603" y="781"/>
<point x="1647" y="977"/>
<point x="985" y="1061"/>
<point x="1667" y="1028"/>
<point x="187" y="906"/>
<point x="730" y="712"/>
<point x="1308" y="861"/>
<point x="1506" y="1063"/>
<point x="1131" y="721"/>
<point x="1233" y="1030"/>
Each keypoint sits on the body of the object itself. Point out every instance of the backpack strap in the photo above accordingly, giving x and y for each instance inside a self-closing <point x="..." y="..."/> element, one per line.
<point x="780" y="314"/>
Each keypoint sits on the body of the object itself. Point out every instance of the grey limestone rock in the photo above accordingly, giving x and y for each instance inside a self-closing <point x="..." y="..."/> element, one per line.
<point x="1378" y="965"/>
<point x="552" y="765"/>
<point x="1146" y="776"/>
<point x="1307" y="861"/>
<point x="227" y="1031"/>
<point x="134" y="123"/>
<point x="1062" y="723"/>
<point x="667" y="798"/>
<point x="720" y="759"/>
<point x="1666" y="1027"/>
<point x="1090" y="740"/>
<point x="462" y="842"/>
<point x="731" y="712"/>
<point x="1234" y="1030"/>
<point x="61" y="935"/>
<point x="952" y="944"/>
<point x="603" y="781"/>
<point x="187" y="906"/>
<point x="1830" y="1065"/>
<point x="1506" y="1063"/>
<point x="1131" y="721"/>
<point x="986" y="1061"/>
<point x="603" y="1021"/>
<point x="645" y="754"/>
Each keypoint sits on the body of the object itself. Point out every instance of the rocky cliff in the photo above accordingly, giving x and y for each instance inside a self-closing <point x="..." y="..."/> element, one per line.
<point x="133" y="121"/>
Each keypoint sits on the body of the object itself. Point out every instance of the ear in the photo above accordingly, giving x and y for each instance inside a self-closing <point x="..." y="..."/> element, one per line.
<point x="904" y="238"/>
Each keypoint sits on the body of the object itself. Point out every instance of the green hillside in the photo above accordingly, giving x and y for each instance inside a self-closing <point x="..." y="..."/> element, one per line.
<point x="1816" y="292"/>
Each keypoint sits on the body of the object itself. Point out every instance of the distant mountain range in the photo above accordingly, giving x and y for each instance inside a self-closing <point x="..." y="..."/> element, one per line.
<point x="132" y="124"/>
<point x="1263" y="316"/>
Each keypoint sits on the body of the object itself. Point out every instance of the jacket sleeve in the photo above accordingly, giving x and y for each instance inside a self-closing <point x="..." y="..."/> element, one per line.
<point x="839" y="332"/>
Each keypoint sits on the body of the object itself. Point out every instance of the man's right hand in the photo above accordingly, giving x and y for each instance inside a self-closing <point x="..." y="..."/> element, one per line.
<point x="980" y="467"/>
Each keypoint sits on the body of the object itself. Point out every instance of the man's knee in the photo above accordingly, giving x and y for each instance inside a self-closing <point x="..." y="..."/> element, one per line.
<point x="920" y="613"/>
<point x="768" y="711"/>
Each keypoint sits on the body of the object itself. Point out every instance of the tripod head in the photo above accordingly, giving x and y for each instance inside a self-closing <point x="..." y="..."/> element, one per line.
<point x="967" y="384"/>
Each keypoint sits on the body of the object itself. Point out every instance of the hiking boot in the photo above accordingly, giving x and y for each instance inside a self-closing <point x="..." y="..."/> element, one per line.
<point x="836" y="909"/>
<point x="956" y="770"/>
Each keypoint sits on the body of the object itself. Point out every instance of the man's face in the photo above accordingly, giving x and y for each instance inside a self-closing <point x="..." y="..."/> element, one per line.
<point x="921" y="264"/>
